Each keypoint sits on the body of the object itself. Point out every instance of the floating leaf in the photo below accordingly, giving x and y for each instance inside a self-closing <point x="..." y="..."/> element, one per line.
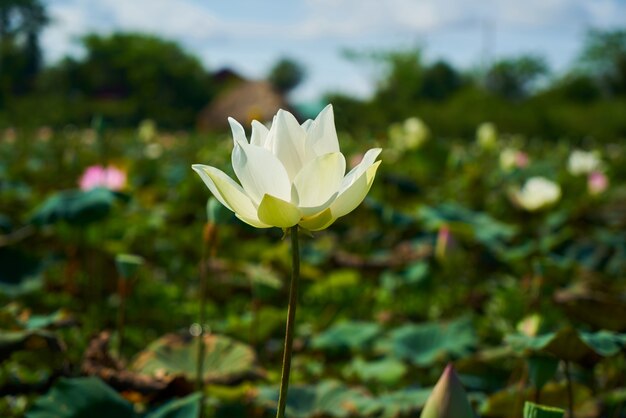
<point x="83" y="397"/>
<point x="569" y="344"/>
<point x="386" y="370"/>
<point x="347" y="335"/>
<point x="20" y="273"/>
<point x="405" y="402"/>
<point x="76" y="207"/>
<point x="225" y="361"/>
<point x="424" y="344"/>
<point x="188" y="407"/>
<point x="463" y="221"/>
<point x="11" y="341"/>
<point x="601" y="309"/>
<point x="57" y="319"/>
<point x="328" y="398"/>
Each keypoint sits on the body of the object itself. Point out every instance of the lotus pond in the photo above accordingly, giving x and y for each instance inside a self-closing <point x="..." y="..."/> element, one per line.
<point x="503" y="255"/>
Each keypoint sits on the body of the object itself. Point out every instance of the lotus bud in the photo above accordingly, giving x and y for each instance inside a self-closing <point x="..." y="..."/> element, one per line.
<point x="448" y="398"/>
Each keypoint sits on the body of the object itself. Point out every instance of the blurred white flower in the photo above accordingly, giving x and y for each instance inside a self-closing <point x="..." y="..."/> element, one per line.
<point x="487" y="135"/>
<point x="153" y="150"/>
<point x="597" y="182"/>
<point x="409" y="135"/>
<point x="291" y="174"/>
<point x="537" y="193"/>
<point x="147" y="130"/>
<point x="511" y="158"/>
<point x="583" y="162"/>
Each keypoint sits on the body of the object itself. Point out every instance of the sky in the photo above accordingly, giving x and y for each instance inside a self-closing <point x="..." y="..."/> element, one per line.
<point x="252" y="35"/>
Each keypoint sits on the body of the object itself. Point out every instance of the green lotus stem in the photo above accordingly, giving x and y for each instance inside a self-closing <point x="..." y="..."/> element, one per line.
<point x="208" y="251"/>
<point x="291" y="320"/>
<point x="570" y="391"/>
<point x="200" y="364"/>
<point x="121" y="314"/>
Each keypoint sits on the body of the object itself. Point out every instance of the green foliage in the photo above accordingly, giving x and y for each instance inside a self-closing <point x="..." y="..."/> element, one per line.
<point x="286" y="74"/>
<point x="604" y="58"/>
<point x="532" y="410"/>
<point x="377" y="295"/>
<point x="21" y="22"/>
<point x="128" y="77"/>
<point x="514" y="78"/>
<point x="541" y="369"/>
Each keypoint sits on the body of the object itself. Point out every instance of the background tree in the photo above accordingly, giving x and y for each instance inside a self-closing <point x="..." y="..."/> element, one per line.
<point x="514" y="78"/>
<point x="604" y="59"/>
<point x="440" y="81"/>
<point x="21" y="22"/>
<point x="286" y="75"/>
<point x="127" y="77"/>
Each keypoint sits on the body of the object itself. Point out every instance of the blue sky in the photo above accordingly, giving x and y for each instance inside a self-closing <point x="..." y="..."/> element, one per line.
<point x="250" y="36"/>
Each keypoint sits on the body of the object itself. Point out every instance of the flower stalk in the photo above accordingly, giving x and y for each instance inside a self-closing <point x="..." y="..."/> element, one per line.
<point x="209" y="248"/>
<point x="291" y="319"/>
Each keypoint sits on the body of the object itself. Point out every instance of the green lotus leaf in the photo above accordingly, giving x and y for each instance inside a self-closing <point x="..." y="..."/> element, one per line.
<point x="83" y="397"/>
<point x="19" y="273"/>
<point x="386" y="370"/>
<point x="328" y="399"/>
<point x="76" y="207"/>
<point x="425" y="344"/>
<point x="570" y="345"/>
<point x="11" y="341"/>
<point x="188" y="407"/>
<point x="225" y="360"/>
<point x="350" y="335"/>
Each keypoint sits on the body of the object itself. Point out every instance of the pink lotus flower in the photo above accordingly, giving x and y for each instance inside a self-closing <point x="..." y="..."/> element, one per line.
<point x="597" y="182"/>
<point x="109" y="177"/>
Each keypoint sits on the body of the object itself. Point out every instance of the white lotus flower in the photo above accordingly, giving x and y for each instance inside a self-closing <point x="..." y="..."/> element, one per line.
<point x="291" y="174"/>
<point x="537" y="193"/>
<point x="583" y="162"/>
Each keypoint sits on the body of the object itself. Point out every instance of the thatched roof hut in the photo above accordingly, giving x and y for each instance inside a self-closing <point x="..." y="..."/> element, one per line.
<point x="246" y="101"/>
